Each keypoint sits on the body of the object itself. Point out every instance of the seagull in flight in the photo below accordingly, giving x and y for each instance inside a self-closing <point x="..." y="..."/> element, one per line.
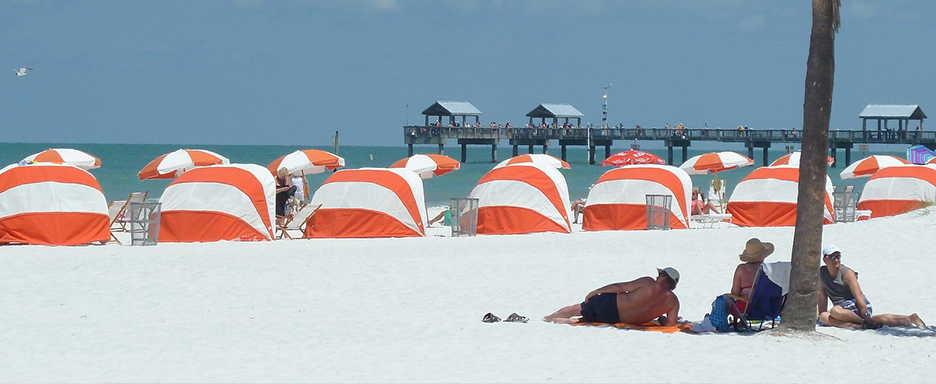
<point x="22" y="71"/>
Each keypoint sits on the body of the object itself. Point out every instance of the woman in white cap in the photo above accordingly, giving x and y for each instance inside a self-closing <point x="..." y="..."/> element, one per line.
<point x="850" y="307"/>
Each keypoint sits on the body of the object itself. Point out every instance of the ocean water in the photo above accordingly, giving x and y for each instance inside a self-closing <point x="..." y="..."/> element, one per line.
<point x="121" y="162"/>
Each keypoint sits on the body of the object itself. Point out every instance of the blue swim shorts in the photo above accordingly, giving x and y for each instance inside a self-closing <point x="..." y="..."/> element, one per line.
<point x="601" y="309"/>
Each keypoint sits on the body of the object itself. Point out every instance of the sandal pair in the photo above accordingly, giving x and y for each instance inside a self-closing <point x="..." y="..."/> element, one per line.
<point x="513" y="318"/>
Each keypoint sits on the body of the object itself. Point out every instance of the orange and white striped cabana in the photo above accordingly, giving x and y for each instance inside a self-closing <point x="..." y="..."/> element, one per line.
<point x="870" y="165"/>
<point x="369" y="203"/>
<point x="899" y="189"/>
<point x="221" y="202"/>
<point x="793" y="159"/>
<point x="618" y="200"/>
<point x="535" y="158"/>
<point x="767" y="198"/>
<point x="51" y="204"/>
<point x="522" y="198"/>
<point x="429" y="165"/>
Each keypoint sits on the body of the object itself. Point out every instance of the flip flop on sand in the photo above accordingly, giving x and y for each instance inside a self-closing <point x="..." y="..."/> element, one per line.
<point x="490" y="318"/>
<point x="515" y="318"/>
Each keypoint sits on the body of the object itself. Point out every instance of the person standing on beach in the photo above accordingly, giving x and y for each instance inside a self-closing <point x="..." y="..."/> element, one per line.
<point x="633" y="302"/>
<point x="284" y="189"/>
<point x="850" y="307"/>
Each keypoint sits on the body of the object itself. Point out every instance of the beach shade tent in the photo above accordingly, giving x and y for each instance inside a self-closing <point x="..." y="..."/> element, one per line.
<point x="767" y="198"/>
<point x="870" y="165"/>
<point x="535" y="158"/>
<point x="920" y="154"/>
<point x="522" y="198"/>
<point x="369" y="203"/>
<point x="630" y="157"/>
<point x="899" y="189"/>
<point x="173" y="164"/>
<point x="222" y="202"/>
<point x="427" y="166"/>
<point x="308" y="162"/>
<point x="793" y="159"/>
<point x="714" y="162"/>
<point x="618" y="201"/>
<point x="70" y="156"/>
<point x="51" y="204"/>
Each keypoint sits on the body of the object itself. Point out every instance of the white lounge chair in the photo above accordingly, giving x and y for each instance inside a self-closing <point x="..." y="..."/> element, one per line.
<point x="709" y="220"/>
<point x="118" y="212"/>
<point x="297" y="221"/>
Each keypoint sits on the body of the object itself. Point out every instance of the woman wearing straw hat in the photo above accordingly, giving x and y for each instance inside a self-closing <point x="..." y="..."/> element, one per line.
<point x="755" y="251"/>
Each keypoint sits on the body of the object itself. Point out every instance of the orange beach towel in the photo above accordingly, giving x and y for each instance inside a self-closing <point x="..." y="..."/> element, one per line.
<point x="649" y="326"/>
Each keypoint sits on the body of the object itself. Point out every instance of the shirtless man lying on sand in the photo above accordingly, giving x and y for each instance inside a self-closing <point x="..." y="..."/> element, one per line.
<point x="632" y="302"/>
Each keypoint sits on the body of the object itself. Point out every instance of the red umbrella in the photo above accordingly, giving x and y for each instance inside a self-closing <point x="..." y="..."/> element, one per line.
<point x="632" y="156"/>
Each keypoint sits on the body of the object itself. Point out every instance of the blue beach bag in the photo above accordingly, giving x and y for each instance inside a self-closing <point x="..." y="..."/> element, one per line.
<point x="719" y="314"/>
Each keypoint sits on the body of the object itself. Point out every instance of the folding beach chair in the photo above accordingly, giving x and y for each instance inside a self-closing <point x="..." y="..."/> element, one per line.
<point x="297" y="221"/>
<point x="119" y="213"/>
<point x="766" y="299"/>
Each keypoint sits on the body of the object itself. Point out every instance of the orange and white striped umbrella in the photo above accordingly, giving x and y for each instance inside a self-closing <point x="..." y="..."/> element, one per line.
<point x="427" y="166"/>
<point x="713" y="162"/>
<point x="869" y="165"/>
<point x="793" y="159"/>
<point x="535" y="158"/>
<point x="65" y="156"/>
<point x="175" y="163"/>
<point x="307" y="161"/>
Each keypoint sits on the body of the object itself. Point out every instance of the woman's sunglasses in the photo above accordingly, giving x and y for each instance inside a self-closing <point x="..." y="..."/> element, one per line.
<point x="834" y="256"/>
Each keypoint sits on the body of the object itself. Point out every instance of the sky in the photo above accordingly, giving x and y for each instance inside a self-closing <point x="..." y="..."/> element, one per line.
<point x="292" y="72"/>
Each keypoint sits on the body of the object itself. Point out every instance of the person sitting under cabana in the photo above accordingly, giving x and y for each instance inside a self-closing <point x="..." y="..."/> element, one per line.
<point x="700" y="206"/>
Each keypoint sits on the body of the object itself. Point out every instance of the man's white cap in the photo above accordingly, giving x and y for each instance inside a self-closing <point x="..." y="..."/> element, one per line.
<point x="830" y="249"/>
<point x="671" y="272"/>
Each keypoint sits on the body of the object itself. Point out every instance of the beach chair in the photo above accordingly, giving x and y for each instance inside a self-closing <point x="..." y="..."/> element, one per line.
<point x="297" y="221"/>
<point x="845" y="204"/>
<point x="765" y="300"/>
<point x="717" y="189"/>
<point x="118" y="212"/>
<point x="709" y="220"/>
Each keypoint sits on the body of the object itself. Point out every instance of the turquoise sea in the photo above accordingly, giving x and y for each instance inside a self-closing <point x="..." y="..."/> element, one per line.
<point x="121" y="162"/>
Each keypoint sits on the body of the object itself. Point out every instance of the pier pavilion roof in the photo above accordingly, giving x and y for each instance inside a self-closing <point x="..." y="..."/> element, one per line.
<point x="452" y="108"/>
<point x="555" y="110"/>
<point x="882" y="111"/>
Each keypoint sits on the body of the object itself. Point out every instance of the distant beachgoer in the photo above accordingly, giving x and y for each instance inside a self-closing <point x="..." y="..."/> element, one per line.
<point x="301" y="186"/>
<point x="850" y="306"/>
<point x="700" y="206"/>
<point x="578" y="206"/>
<point x="633" y="302"/>
<point x="284" y="189"/>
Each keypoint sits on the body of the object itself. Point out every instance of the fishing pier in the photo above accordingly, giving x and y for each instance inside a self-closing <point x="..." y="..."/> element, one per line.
<point x="563" y="132"/>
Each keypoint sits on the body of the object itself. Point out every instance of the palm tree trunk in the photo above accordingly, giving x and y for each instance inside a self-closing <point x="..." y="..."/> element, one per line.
<point x="799" y="314"/>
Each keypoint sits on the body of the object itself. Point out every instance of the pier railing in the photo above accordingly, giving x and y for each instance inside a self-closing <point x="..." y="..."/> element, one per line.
<point x="413" y="133"/>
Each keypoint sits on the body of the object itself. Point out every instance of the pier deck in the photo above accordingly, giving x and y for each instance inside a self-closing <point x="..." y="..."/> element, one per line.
<point x="594" y="137"/>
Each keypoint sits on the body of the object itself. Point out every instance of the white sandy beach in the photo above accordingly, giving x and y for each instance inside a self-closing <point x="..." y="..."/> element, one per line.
<point x="409" y="310"/>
